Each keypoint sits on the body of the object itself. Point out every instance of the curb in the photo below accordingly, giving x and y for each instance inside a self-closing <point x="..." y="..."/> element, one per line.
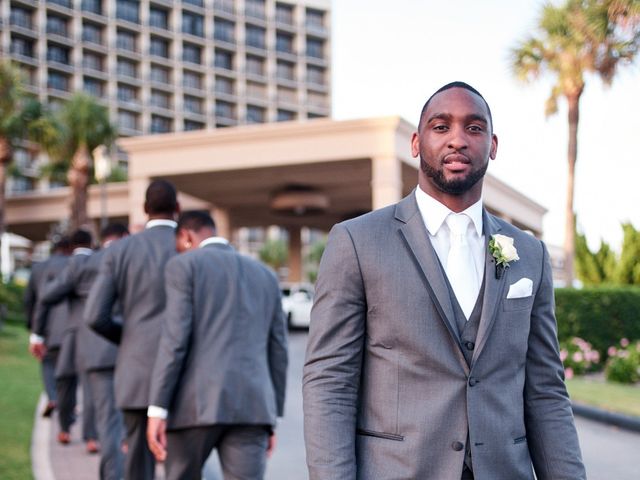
<point x="40" y="438"/>
<point x="627" y="422"/>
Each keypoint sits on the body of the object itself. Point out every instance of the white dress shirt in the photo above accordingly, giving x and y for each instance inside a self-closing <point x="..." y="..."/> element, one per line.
<point x="434" y="215"/>
<point x="161" y="222"/>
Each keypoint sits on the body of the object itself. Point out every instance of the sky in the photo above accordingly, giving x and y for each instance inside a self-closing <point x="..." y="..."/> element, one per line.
<point x="389" y="56"/>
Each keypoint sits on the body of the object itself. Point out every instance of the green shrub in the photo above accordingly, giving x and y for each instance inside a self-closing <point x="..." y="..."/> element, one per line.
<point x="623" y="365"/>
<point x="11" y="302"/>
<point x="602" y="316"/>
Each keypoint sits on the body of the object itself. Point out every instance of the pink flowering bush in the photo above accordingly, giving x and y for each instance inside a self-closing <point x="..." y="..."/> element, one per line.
<point x="623" y="365"/>
<point x="578" y="357"/>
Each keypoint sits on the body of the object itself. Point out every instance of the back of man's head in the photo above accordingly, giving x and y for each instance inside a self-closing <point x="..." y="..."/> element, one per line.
<point x="161" y="199"/>
<point x="81" y="238"/>
<point x="195" y="220"/>
<point x="61" y="246"/>
<point x="113" y="231"/>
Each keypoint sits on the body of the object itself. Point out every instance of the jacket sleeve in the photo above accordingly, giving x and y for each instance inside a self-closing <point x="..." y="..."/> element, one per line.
<point x="332" y="370"/>
<point x="102" y="297"/>
<point x="61" y="287"/>
<point x="278" y="354"/>
<point x="551" y="433"/>
<point x="30" y="298"/>
<point x="177" y="325"/>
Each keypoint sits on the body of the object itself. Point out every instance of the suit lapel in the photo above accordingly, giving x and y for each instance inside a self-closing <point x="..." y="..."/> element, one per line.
<point x="493" y="287"/>
<point x="417" y="239"/>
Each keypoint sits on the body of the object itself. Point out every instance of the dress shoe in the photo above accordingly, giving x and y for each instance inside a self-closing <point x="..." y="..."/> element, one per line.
<point x="48" y="409"/>
<point x="92" y="447"/>
<point x="64" y="438"/>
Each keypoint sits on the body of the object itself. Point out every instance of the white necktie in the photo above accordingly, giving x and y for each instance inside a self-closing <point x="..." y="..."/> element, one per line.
<point x="460" y="267"/>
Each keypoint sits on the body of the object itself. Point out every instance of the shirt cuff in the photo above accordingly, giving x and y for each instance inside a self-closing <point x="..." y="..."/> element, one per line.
<point x="157" y="412"/>
<point x="35" y="338"/>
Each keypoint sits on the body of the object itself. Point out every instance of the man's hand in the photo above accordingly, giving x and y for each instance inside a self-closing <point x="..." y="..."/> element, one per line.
<point x="272" y="445"/>
<point x="157" y="437"/>
<point x="38" y="350"/>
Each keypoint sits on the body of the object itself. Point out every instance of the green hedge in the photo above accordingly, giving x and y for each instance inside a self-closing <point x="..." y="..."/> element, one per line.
<point x="601" y="316"/>
<point x="11" y="302"/>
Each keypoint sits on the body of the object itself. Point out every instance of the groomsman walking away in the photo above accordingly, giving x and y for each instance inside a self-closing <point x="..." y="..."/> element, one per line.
<point x="220" y="370"/>
<point x="64" y="289"/>
<point x="132" y="274"/>
<point x="433" y="350"/>
<point x="98" y="363"/>
<point x="45" y="338"/>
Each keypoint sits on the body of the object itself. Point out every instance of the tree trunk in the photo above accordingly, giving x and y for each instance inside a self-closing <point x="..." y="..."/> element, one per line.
<point x="5" y="160"/>
<point x="78" y="178"/>
<point x="572" y="155"/>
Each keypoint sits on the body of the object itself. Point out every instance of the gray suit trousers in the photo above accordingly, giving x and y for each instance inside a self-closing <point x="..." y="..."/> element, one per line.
<point x="89" y="430"/>
<point x="140" y="463"/>
<point x="242" y="450"/>
<point x="48" y="368"/>
<point x="66" y="388"/>
<point x="109" y="424"/>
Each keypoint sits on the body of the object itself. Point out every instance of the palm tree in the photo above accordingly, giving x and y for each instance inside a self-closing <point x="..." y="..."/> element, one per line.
<point x="85" y="125"/>
<point x="577" y="38"/>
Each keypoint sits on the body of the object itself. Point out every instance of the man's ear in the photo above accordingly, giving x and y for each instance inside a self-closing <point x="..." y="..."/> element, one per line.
<point x="494" y="147"/>
<point x="146" y="208"/>
<point x="415" y="144"/>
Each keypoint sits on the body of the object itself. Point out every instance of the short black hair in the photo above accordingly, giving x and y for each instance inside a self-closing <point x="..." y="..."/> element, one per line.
<point x="62" y="245"/>
<point x="161" y="198"/>
<point x="81" y="238"/>
<point x="116" y="229"/>
<point x="456" y="84"/>
<point x="195" y="220"/>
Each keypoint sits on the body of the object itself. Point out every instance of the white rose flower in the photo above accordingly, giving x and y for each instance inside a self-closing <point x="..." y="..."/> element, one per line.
<point x="507" y="249"/>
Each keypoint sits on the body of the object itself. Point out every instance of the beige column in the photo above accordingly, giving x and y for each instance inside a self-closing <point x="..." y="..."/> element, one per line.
<point x="386" y="181"/>
<point x="295" y="254"/>
<point x="137" y="217"/>
<point x="223" y="222"/>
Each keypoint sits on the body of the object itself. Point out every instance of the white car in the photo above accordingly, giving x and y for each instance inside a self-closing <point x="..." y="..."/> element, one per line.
<point x="297" y="299"/>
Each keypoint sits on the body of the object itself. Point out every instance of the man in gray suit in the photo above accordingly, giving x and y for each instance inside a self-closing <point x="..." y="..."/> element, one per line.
<point x="220" y="372"/>
<point x="64" y="288"/>
<point x="132" y="274"/>
<point x="432" y="351"/>
<point x="45" y="346"/>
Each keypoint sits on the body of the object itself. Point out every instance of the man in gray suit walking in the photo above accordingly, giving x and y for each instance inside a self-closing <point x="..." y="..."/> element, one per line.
<point x="132" y="274"/>
<point x="46" y="335"/>
<point x="432" y="351"/>
<point x="220" y="372"/>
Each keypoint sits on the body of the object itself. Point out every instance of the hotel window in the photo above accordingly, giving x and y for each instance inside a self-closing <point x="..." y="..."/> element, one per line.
<point x="127" y="93"/>
<point x="159" y="18"/>
<point x="126" y="40"/>
<point x="21" y="17"/>
<point x="127" y="68"/>
<point x="128" y="10"/>
<point x="285" y="70"/>
<point x="225" y="109"/>
<point x="255" y="65"/>
<point x="159" y="74"/>
<point x="223" y="59"/>
<point x="255" y="114"/>
<point x="21" y="46"/>
<point x="190" y="125"/>
<point x="191" y="53"/>
<point x="92" y="61"/>
<point x="159" y="47"/>
<point x="315" y="47"/>
<point x="56" y="53"/>
<point x="93" y="6"/>
<point x="57" y="25"/>
<point x="58" y="81"/>
<point x="193" y="24"/>
<point x="315" y="75"/>
<point x="160" y="99"/>
<point x="192" y="80"/>
<point x="198" y="3"/>
<point x="93" y="87"/>
<point x="286" y="115"/>
<point x="92" y="33"/>
<point x="284" y="13"/>
<point x="284" y="42"/>
<point x="255" y="36"/>
<point x="314" y="19"/>
<point x="127" y="120"/>
<point x="254" y="8"/>
<point x="224" y="30"/>
<point x="160" y="124"/>
<point x="192" y="104"/>
<point x="224" y="85"/>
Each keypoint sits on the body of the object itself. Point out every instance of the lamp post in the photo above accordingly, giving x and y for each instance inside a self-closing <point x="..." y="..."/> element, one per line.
<point x="102" y="170"/>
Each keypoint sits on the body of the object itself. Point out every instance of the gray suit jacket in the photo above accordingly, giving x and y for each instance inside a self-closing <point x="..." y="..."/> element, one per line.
<point x="387" y="391"/>
<point x="132" y="273"/>
<point x="223" y="352"/>
<point x="82" y="349"/>
<point x="48" y="321"/>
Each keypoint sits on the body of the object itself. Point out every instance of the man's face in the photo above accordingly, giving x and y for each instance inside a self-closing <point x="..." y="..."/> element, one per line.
<point x="455" y="142"/>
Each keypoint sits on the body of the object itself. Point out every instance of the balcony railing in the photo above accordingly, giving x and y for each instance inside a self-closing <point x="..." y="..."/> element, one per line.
<point x="21" y="20"/>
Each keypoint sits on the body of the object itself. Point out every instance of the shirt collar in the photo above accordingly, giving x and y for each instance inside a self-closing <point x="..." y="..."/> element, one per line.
<point x="82" y="251"/>
<point x="212" y="240"/>
<point x="435" y="213"/>
<point x="161" y="222"/>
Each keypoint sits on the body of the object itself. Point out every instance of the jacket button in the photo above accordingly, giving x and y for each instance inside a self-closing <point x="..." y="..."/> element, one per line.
<point x="457" y="446"/>
<point x="473" y="382"/>
<point x="470" y="345"/>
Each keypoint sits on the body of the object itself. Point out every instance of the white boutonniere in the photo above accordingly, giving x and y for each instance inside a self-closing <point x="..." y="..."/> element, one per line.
<point x="502" y="249"/>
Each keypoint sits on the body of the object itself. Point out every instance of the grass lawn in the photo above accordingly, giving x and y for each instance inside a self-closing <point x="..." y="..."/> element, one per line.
<point x="20" y="386"/>
<point x="614" y="397"/>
